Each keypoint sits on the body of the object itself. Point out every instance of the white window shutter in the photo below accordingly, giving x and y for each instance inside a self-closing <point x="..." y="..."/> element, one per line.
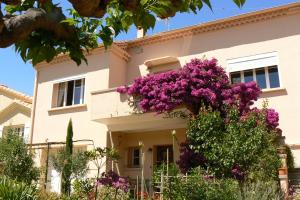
<point x="1" y="131"/>
<point x="27" y="132"/>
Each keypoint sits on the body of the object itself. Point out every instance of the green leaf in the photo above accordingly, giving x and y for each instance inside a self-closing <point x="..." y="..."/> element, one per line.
<point x="70" y="21"/>
<point x="207" y="2"/>
<point x="239" y="3"/>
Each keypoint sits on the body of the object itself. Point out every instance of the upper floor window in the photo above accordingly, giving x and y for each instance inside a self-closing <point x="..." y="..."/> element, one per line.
<point x="69" y="93"/>
<point x="266" y="77"/>
<point x="263" y="69"/>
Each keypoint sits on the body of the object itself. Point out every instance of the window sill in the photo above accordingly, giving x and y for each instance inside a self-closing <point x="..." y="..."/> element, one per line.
<point x="273" y="90"/>
<point x="68" y="108"/>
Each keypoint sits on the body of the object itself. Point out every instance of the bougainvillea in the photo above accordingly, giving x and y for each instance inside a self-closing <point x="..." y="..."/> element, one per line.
<point x="224" y="126"/>
<point x="112" y="179"/>
<point x="199" y="82"/>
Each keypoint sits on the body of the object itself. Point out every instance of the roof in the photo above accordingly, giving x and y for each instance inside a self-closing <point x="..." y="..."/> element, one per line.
<point x="20" y="96"/>
<point x="225" y="23"/>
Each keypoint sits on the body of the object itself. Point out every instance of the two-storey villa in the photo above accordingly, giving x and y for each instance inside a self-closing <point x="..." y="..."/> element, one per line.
<point x="263" y="46"/>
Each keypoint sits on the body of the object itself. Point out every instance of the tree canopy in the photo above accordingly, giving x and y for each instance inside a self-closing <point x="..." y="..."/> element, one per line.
<point x="42" y="29"/>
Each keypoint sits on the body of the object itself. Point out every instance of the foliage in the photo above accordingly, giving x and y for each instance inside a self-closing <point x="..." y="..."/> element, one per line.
<point x="83" y="188"/>
<point x="198" y="186"/>
<point x="88" y="22"/>
<point x="199" y="83"/>
<point x="189" y="159"/>
<point x="235" y="146"/>
<point x="261" y="190"/>
<point x="100" y="156"/>
<point x="66" y="169"/>
<point x="16" y="159"/>
<point x="112" y="179"/>
<point x="290" y="157"/>
<point x="13" y="190"/>
<point x="46" y="195"/>
<point x="201" y="186"/>
<point x="111" y="193"/>
<point x="110" y="186"/>
<point x="78" y="163"/>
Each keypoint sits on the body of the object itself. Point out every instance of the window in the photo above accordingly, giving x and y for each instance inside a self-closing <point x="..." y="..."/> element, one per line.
<point x="70" y="93"/>
<point x="134" y="157"/>
<point x="265" y="78"/>
<point x="261" y="68"/>
<point x="17" y="129"/>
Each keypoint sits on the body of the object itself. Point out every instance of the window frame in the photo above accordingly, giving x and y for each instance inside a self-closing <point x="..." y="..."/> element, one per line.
<point x="267" y="76"/>
<point x="66" y="86"/>
<point x="131" y="157"/>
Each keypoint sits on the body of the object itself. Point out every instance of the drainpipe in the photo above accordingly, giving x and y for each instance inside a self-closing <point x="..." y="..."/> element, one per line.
<point x="33" y="107"/>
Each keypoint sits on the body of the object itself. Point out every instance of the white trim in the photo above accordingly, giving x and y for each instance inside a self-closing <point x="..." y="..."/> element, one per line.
<point x="70" y="78"/>
<point x="27" y="132"/>
<point x="82" y="91"/>
<point x="252" y="62"/>
<point x="1" y="131"/>
<point x="268" y="84"/>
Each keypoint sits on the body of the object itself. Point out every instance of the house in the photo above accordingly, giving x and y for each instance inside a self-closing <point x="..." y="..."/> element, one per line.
<point x="262" y="46"/>
<point x="15" y="112"/>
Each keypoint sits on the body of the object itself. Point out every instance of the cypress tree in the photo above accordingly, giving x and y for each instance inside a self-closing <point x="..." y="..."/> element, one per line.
<point x="67" y="171"/>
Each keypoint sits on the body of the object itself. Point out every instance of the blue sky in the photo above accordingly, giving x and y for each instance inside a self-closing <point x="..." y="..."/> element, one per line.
<point x="20" y="76"/>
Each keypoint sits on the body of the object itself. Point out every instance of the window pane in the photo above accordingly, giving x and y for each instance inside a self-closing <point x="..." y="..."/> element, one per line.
<point x="274" y="77"/>
<point x="77" y="90"/>
<point x="136" y="157"/>
<point x="70" y="93"/>
<point x="248" y="76"/>
<point x="61" y="94"/>
<point x="261" y="78"/>
<point x="235" y="77"/>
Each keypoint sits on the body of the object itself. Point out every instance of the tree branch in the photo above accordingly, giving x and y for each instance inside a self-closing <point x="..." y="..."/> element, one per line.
<point x="90" y="8"/>
<point x="11" y="2"/>
<point x="18" y="28"/>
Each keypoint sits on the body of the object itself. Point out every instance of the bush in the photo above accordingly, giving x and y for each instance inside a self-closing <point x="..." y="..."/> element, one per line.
<point x="200" y="186"/>
<point x="234" y="146"/>
<point x="16" y="159"/>
<point x="13" y="190"/>
<point x="261" y="191"/>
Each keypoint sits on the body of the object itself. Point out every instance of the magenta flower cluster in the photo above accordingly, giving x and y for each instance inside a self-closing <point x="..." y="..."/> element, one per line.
<point x="272" y="118"/>
<point x="199" y="82"/>
<point x="112" y="179"/>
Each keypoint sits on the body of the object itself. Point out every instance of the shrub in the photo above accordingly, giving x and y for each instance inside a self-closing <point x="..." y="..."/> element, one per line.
<point x="112" y="187"/>
<point x="261" y="191"/>
<point x="13" y="190"/>
<point x="16" y="159"/>
<point x="234" y="146"/>
<point x="201" y="186"/>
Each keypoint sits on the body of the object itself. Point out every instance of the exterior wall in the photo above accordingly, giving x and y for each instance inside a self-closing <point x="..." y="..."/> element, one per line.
<point x="105" y="110"/>
<point x="13" y="114"/>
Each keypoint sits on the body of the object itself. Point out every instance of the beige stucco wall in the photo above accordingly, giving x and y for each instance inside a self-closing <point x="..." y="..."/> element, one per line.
<point x="104" y="109"/>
